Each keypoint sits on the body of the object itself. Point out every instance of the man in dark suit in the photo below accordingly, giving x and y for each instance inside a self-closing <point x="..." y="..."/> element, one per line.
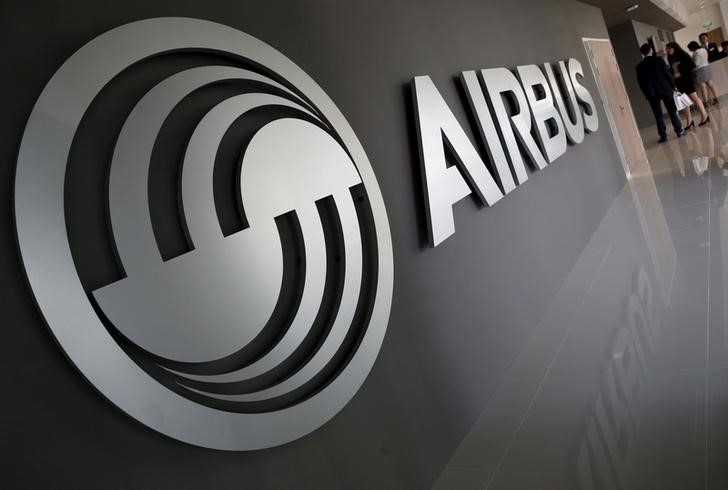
<point x="657" y="84"/>
<point x="711" y="48"/>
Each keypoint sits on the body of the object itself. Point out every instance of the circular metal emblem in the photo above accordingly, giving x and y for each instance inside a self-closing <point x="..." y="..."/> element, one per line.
<point x="254" y="335"/>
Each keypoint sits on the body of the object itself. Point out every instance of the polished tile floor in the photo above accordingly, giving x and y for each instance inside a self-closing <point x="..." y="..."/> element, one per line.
<point x="624" y="383"/>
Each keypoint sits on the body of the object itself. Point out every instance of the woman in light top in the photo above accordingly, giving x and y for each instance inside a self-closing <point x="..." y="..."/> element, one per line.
<point x="703" y="73"/>
<point x="682" y="66"/>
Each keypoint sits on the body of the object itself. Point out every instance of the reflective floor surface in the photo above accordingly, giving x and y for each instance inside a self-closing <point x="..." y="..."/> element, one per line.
<point x="624" y="383"/>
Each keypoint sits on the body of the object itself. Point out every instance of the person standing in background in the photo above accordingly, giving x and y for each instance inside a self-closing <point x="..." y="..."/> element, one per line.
<point x="658" y="85"/>
<point x="711" y="48"/>
<point x="703" y="73"/>
<point x="682" y="66"/>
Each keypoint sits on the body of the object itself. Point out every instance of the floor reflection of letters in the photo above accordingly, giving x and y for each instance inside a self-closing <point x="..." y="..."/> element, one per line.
<point x="606" y="453"/>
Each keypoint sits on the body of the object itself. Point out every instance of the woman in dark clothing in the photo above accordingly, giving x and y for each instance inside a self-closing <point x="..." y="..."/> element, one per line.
<point x="682" y="66"/>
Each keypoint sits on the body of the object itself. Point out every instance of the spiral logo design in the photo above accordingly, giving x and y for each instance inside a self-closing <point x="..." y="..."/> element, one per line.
<point x="264" y="321"/>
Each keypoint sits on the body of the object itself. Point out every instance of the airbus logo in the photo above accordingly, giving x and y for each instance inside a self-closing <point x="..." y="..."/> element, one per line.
<point x="525" y="118"/>
<point x="250" y="339"/>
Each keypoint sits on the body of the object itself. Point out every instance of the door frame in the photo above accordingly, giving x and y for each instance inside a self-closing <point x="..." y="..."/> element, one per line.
<point x="636" y="186"/>
<point x="605" y="103"/>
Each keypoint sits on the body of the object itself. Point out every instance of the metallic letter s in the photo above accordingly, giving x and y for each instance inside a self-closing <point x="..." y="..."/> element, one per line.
<point x="591" y="119"/>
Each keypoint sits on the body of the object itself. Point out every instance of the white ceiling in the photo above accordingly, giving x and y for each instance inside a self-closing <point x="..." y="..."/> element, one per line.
<point x="670" y="15"/>
<point x="694" y="6"/>
<point x="659" y="13"/>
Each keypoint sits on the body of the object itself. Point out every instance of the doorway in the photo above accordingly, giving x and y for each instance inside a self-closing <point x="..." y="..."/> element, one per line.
<point x="716" y="36"/>
<point x="616" y="104"/>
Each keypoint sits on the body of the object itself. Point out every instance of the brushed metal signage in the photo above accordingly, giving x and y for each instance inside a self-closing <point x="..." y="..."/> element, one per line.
<point x="175" y="343"/>
<point x="254" y="338"/>
<point x="529" y="115"/>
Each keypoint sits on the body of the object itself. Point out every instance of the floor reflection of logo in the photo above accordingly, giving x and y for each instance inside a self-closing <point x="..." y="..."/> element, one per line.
<point x="250" y="339"/>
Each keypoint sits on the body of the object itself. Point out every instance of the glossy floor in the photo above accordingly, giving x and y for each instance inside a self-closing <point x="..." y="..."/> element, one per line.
<point x="624" y="383"/>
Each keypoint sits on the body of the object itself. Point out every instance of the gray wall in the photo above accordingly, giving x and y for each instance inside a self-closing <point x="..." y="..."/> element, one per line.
<point x="461" y="311"/>
<point x="588" y="21"/>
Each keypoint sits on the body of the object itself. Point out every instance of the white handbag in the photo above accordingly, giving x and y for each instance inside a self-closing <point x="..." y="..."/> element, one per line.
<point x="682" y="101"/>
